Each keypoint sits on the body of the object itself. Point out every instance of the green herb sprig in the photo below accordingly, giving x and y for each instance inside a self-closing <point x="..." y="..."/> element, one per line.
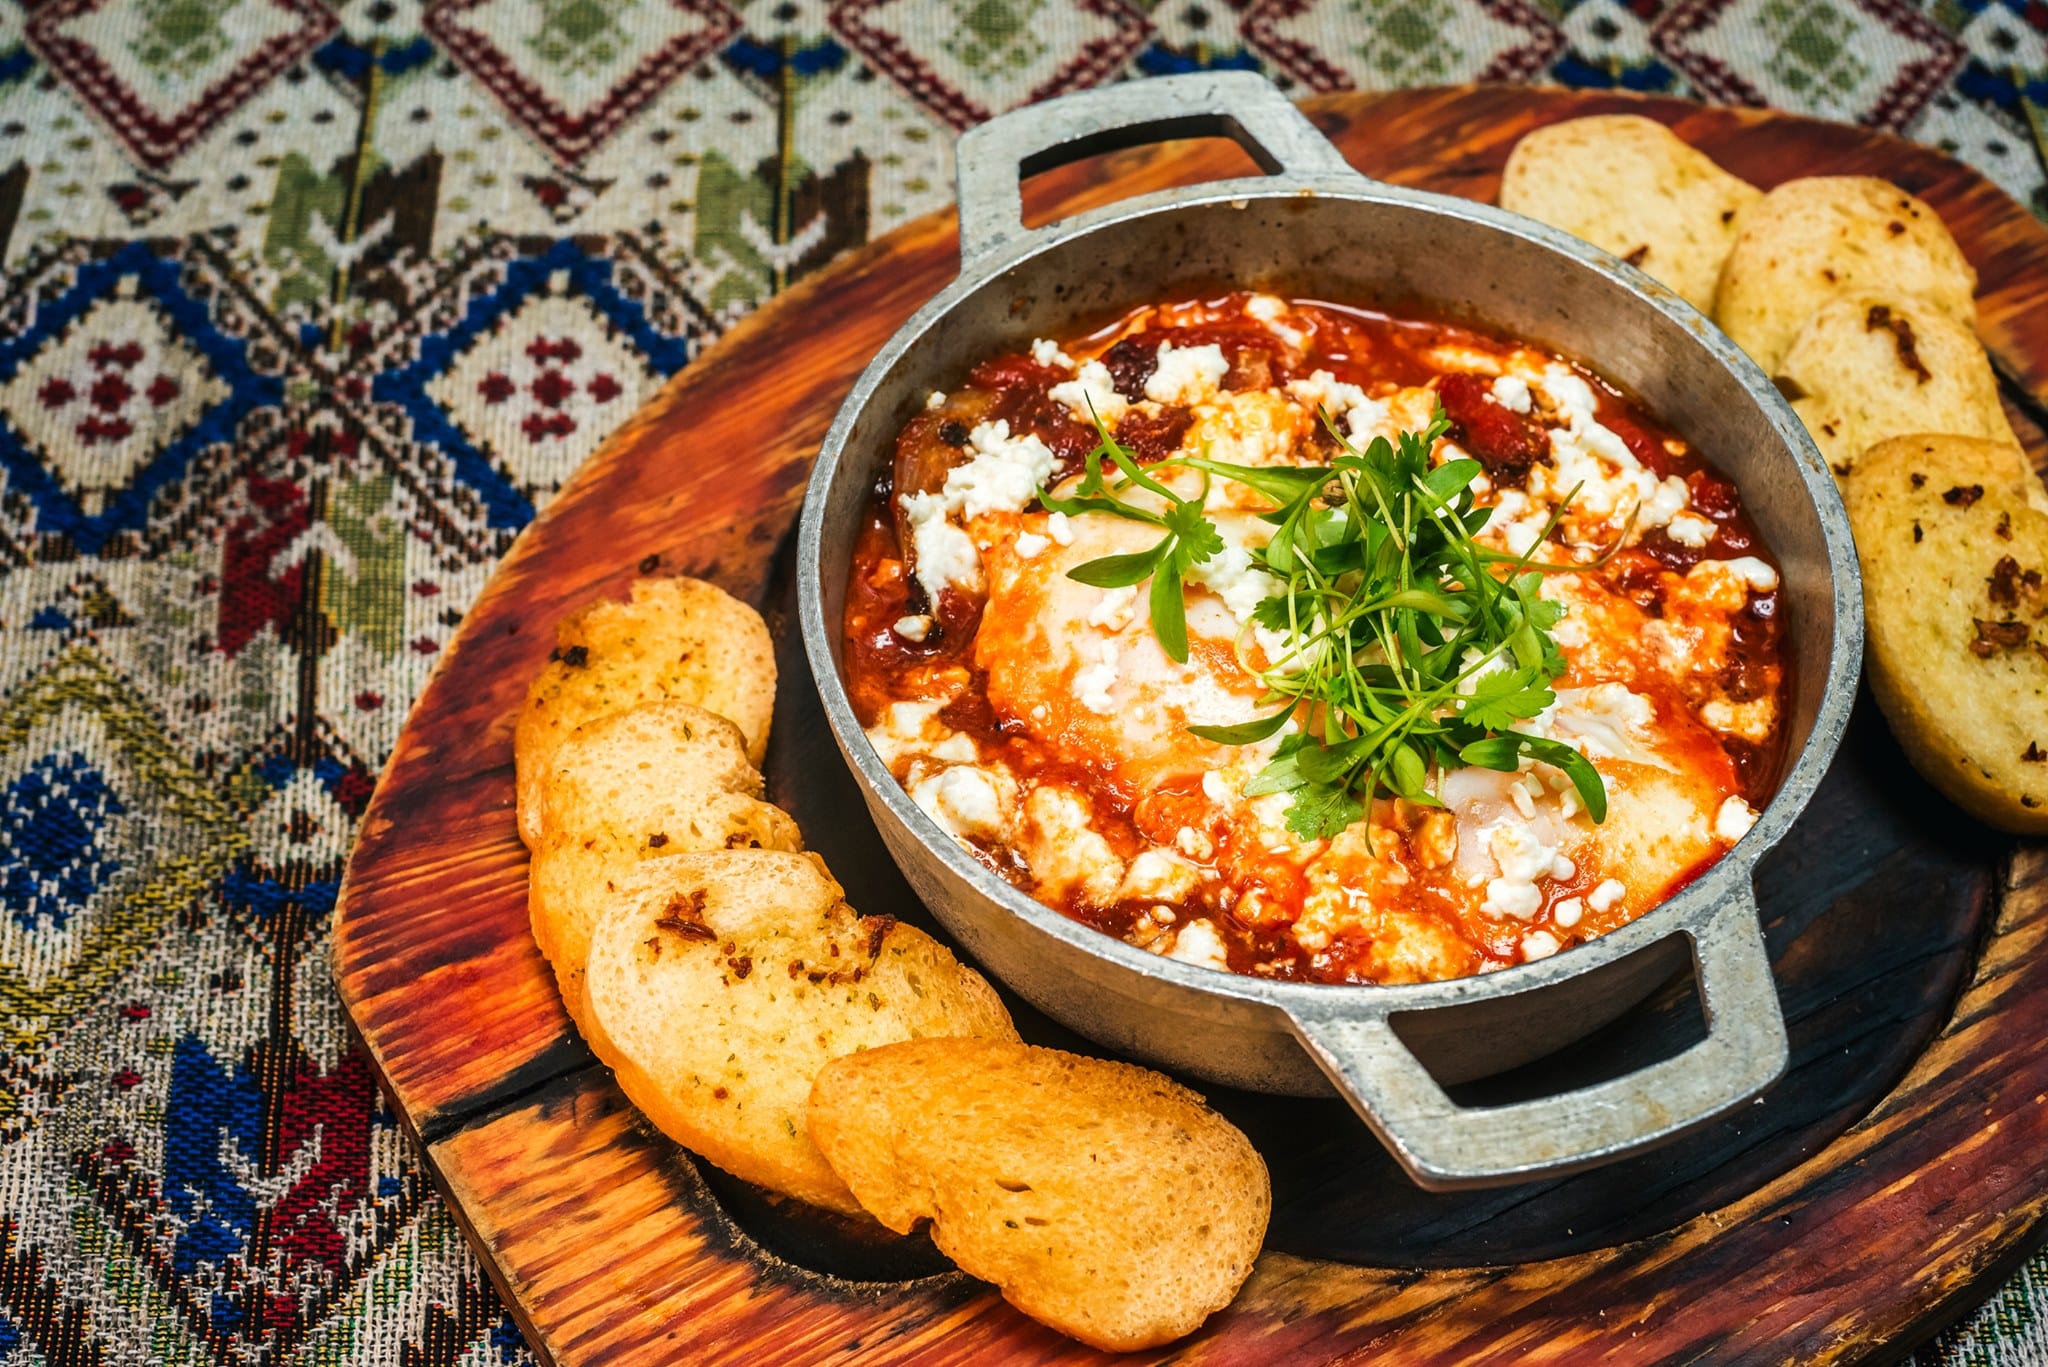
<point x="1408" y="643"/>
<point x="1191" y="538"/>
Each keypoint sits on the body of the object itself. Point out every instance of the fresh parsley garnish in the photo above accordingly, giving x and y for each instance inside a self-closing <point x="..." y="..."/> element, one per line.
<point x="1405" y="646"/>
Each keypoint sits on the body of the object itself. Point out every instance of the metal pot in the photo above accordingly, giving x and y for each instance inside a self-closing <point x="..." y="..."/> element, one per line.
<point x="1314" y="226"/>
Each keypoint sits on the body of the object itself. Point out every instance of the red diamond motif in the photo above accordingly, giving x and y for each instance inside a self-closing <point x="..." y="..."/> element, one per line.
<point x="482" y="37"/>
<point x="156" y="133"/>
<point x="1083" y="45"/>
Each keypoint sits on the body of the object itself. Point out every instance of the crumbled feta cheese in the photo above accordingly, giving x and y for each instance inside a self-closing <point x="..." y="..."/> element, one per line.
<point x="966" y="801"/>
<point x="1092" y="685"/>
<point x="1047" y="353"/>
<point x="1059" y="529"/>
<point x="1567" y="912"/>
<point x="1595" y="461"/>
<point x="945" y="555"/>
<point x="1361" y="416"/>
<point x="1519" y="522"/>
<point x="1539" y="944"/>
<point x="1272" y="310"/>
<point x="1571" y="394"/>
<point x="1324" y="390"/>
<point x="1091" y="392"/>
<point x="1750" y="720"/>
<point x="1265" y="307"/>
<point x="1563" y="867"/>
<point x="1690" y="529"/>
<point x="1604" y="897"/>
<point x="913" y="628"/>
<point x="1523" y="858"/>
<point x="1734" y="819"/>
<point x="935" y="400"/>
<point x="1216" y="788"/>
<point x="1113" y="612"/>
<point x="1756" y="573"/>
<point x="1606" y="721"/>
<point x="1481" y="666"/>
<point x="905" y="729"/>
<point x="1157" y="876"/>
<point x="1029" y="544"/>
<point x="1664" y="502"/>
<point x="1234" y="578"/>
<point x="1512" y="393"/>
<point x="1198" y="943"/>
<point x="1186" y="374"/>
<point x="1231" y="576"/>
<point x="1005" y="475"/>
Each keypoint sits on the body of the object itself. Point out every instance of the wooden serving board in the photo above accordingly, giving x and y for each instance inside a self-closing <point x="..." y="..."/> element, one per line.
<point x="1865" y="1201"/>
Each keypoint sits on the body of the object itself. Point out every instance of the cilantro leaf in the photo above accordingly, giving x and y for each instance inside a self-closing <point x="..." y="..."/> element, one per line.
<point x="1500" y="700"/>
<point x="1197" y="537"/>
<point x="1322" y="810"/>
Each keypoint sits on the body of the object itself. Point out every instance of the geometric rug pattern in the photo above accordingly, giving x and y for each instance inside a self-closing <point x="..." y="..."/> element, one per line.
<point x="306" y="308"/>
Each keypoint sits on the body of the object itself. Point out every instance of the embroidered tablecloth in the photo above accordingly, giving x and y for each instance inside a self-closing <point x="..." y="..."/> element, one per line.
<point x="305" y="308"/>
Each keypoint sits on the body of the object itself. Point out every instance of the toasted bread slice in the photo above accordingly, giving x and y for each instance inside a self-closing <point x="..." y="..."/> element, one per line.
<point x="658" y="779"/>
<point x="1813" y="240"/>
<point x="719" y="984"/>
<point x="1953" y="559"/>
<point x="1632" y="186"/>
<point x="1102" y="1199"/>
<point x="1869" y="367"/>
<point x="680" y="639"/>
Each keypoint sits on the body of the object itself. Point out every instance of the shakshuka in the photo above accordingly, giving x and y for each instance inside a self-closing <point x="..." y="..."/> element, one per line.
<point x="1041" y="723"/>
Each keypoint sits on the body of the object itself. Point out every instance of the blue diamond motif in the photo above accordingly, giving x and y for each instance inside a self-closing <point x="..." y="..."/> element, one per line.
<point x="133" y="267"/>
<point x="406" y="385"/>
<point x="52" y="820"/>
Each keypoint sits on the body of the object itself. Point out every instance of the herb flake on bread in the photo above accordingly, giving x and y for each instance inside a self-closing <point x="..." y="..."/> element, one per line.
<point x="1870" y="367"/>
<point x="718" y="985"/>
<point x="677" y="639"/>
<point x="1957" y="618"/>
<point x="1812" y="240"/>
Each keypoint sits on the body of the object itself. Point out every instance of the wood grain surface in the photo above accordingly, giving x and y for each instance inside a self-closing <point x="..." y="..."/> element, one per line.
<point x="1858" y="1206"/>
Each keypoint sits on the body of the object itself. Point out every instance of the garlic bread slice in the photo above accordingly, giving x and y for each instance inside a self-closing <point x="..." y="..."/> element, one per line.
<point x="1101" y="1198"/>
<point x="1957" y="616"/>
<point x="1811" y="241"/>
<point x="674" y="639"/>
<point x="719" y="984"/>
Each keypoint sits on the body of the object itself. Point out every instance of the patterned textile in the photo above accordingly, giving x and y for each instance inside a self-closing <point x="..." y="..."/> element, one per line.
<point x="305" y="308"/>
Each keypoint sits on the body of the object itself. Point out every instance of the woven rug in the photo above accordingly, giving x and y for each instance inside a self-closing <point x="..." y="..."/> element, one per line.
<point x="305" y="309"/>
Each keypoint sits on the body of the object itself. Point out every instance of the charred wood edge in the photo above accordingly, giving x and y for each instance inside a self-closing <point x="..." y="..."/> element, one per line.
<point x="2012" y="383"/>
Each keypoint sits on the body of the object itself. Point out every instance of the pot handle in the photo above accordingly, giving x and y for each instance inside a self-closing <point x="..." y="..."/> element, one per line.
<point x="1240" y="105"/>
<point x="1445" y="1146"/>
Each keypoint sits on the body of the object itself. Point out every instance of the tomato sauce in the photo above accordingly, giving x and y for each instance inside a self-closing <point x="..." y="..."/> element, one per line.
<point x="1254" y="902"/>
